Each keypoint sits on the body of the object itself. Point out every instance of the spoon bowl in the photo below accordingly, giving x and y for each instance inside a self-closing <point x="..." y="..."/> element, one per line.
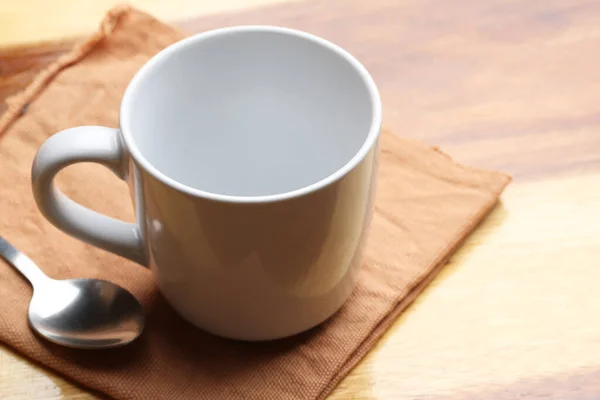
<point x="85" y="313"/>
<point x="78" y="313"/>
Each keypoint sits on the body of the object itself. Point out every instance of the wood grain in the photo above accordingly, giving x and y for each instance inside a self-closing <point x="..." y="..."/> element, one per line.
<point x="500" y="84"/>
<point x="31" y="21"/>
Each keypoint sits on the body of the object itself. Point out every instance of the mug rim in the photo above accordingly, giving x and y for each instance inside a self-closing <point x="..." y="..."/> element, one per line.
<point x="143" y="72"/>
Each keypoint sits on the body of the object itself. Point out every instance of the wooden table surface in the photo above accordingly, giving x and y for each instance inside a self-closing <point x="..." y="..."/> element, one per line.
<point x="511" y="85"/>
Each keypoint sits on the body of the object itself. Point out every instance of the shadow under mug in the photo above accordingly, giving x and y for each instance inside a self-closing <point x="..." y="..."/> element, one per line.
<point x="251" y="157"/>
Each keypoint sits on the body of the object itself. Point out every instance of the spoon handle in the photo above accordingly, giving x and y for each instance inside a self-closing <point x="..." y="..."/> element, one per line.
<point x="21" y="262"/>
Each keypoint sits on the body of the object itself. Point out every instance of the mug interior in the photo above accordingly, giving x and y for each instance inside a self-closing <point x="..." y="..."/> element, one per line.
<point x="252" y="111"/>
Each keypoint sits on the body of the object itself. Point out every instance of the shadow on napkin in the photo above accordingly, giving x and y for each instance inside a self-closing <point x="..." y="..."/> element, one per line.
<point x="189" y="345"/>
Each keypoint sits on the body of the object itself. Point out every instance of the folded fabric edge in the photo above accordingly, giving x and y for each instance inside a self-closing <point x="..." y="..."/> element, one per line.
<point x="501" y="184"/>
<point x="497" y="185"/>
<point x="18" y="102"/>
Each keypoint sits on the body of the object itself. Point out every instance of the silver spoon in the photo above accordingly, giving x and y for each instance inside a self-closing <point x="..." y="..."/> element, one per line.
<point x="79" y="313"/>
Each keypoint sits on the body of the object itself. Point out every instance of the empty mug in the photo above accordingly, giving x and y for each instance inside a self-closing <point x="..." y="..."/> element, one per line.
<point x="251" y="157"/>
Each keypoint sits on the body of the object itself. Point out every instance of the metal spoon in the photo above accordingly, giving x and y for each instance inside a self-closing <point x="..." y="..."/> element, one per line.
<point x="79" y="313"/>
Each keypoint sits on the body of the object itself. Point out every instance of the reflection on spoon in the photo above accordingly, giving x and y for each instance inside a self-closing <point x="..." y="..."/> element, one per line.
<point x="79" y="313"/>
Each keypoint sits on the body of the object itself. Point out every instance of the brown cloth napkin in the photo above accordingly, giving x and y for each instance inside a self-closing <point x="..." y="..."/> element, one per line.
<point x="426" y="204"/>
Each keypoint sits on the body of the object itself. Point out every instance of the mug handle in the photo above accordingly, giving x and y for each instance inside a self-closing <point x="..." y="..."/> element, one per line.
<point x="85" y="144"/>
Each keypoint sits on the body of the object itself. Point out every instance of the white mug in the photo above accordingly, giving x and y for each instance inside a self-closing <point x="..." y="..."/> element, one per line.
<point x="251" y="157"/>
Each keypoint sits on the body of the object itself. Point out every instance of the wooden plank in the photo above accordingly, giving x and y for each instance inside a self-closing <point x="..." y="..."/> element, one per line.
<point x="500" y="84"/>
<point x="497" y="84"/>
